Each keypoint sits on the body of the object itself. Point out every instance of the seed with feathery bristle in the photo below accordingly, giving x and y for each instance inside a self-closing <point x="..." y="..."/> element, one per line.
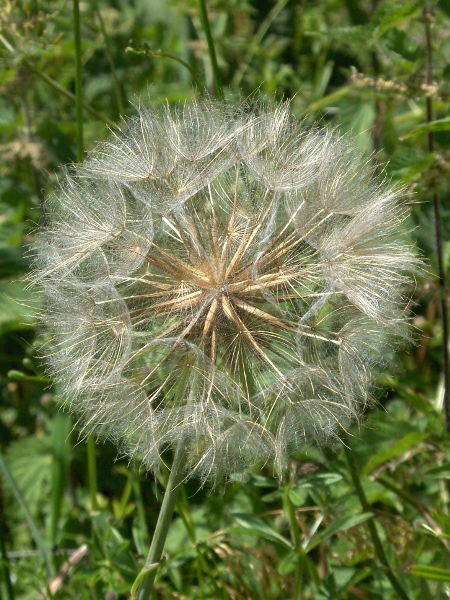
<point x="223" y="279"/>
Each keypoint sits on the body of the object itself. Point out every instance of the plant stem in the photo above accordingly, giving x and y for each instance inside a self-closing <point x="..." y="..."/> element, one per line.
<point x="31" y="522"/>
<point x="160" y="54"/>
<point x="92" y="466"/>
<point x="295" y="532"/>
<point x="371" y="524"/>
<point x="162" y="526"/>
<point x="212" y="52"/>
<point x="117" y="87"/>
<point x="92" y="472"/>
<point x="78" y="80"/>
<point x="139" y="503"/>
<point x="4" y="562"/>
<point x="427" y="17"/>
<point x="54" y="84"/>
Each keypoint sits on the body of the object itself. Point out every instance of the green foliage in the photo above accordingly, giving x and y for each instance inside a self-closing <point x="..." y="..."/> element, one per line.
<point x="355" y="64"/>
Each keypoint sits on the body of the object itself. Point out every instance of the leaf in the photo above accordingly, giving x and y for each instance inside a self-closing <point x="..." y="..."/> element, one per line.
<point x="406" y="443"/>
<point x="338" y="526"/>
<point x="17" y="306"/>
<point x="260" y="528"/>
<point x="395" y="15"/>
<point x="289" y="563"/>
<point x="438" y="125"/>
<point x="31" y="522"/>
<point x="443" y="470"/>
<point x="434" y="573"/>
<point x="12" y="261"/>
<point x="408" y="174"/>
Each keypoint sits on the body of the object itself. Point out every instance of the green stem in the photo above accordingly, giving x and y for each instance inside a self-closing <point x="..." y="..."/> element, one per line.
<point x="4" y="566"/>
<point x="92" y="466"/>
<point x="139" y="503"/>
<point x="78" y="80"/>
<point x="212" y="52"/>
<point x="160" y="54"/>
<point x="92" y="472"/>
<point x="54" y="84"/>
<point x="296" y="538"/>
<point x="438" y="227"/>
<point x="371" y="524"/>
<point x="257" y="39"/>
<point x="162" y="526"/>
<point x="118" y="88"/>
<point x="33" y="527"/>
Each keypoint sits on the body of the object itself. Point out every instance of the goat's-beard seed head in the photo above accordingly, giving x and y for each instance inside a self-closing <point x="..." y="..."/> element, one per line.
<point x="224" y="279"/>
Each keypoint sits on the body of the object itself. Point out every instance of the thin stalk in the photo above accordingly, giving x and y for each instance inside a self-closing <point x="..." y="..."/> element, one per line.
<point x="54" y="84"/>
<point x="78" y="80"/>
<point x="92" y="472"/>
<point x="139" y="503"/>
<point x="31" y="522"/>
<point x="92" y="466"/>
<point x="160" y="54"/>
<point x="296" y="538"/>
<point x="162" y="526"/>
<point x="212" y="52"/>
<point x="118" y="88"/>
<point x="371" y="524"/>
<point x="4" y="566"/>
<point x="427" y="18"/>
<point x="257" y="39"/>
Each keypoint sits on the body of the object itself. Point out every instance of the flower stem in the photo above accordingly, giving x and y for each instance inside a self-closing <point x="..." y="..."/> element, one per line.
<point x="92" y="472"/>
<point x="211" y="49"/>
<point x="92" y="467"/>
<point x="78" y="80"/>
<point x="162" y="526"/>
<point x="295" y="532"/>
<point x="371" y="524"/>
<point x="118" y="88"/>
<point x="427" y="18"/>
<point x="4" y="561"/>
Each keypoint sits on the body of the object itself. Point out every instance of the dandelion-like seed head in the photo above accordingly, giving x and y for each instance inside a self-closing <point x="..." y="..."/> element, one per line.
<point x="224" y="279"/>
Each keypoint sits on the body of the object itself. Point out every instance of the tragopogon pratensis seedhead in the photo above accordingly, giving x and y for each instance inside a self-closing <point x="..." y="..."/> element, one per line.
<point x="224" y="279"/>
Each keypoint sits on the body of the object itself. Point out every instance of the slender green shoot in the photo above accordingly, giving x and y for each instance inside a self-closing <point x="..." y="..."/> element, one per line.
<point x="78" y="80"/>
<point x="117" y="86"/>
<point x="159" y="54"/>
<point x="212" y="52"/>
<point x="427" y="18"/>
<point x="146" y="578"/>
<point x="92" y="472"/>
<point x="296" y="538"/>
<point x="139" y="503"/>
<point x="92" y="466"/>
<point x="4" y="564"/>
<point x="54" y="84"/>
<point x="31" y="522"/>
<point x="377" y="544"/>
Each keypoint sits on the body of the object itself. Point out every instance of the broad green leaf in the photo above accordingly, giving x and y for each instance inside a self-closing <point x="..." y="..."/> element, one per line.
<point x="406" y="443"/>
<point x="336" y="527"/>
<point x="260" y="528"/>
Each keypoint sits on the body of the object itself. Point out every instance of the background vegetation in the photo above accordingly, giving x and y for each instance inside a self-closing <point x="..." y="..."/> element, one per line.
<point x="346" y="524"/>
